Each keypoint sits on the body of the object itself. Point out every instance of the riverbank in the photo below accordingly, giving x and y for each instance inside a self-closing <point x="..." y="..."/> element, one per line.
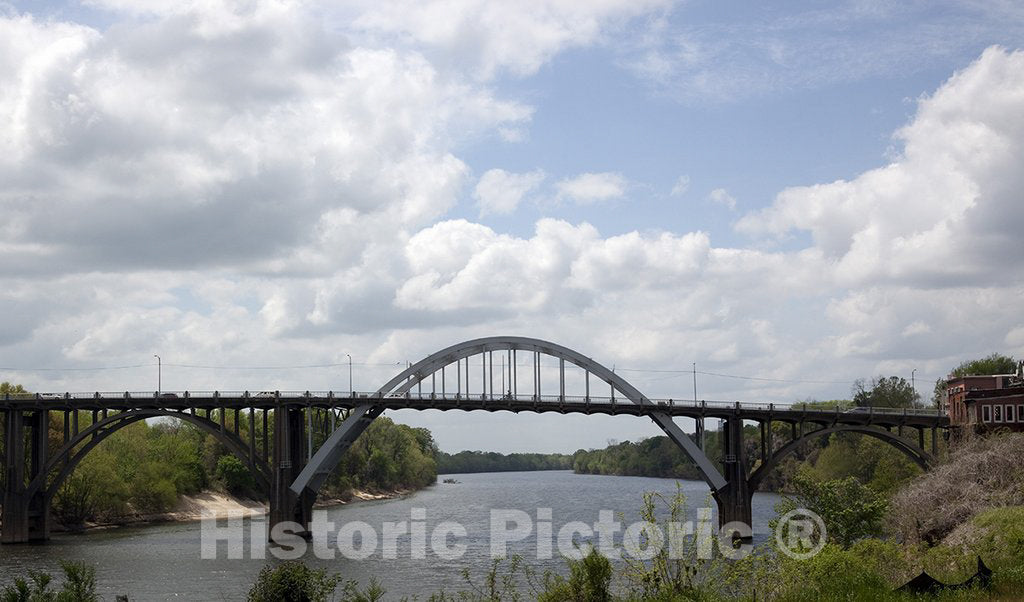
<point x="220" y="505"/>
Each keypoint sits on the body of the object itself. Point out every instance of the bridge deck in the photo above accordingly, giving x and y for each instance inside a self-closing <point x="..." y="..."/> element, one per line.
<point x="183" y="401"/>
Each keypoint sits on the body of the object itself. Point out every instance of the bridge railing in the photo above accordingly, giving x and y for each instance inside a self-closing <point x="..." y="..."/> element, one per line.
<point x="320" y="395"/>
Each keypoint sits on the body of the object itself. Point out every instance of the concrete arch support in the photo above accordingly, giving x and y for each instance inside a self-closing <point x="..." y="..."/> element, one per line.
<point x="320" y="466"/>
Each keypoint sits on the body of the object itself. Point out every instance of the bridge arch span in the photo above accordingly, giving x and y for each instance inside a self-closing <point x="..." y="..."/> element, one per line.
<point x="918" y="455"/>
<point x="323" y="462"/>
<point x="420" y="371"/>
<point x="67" y="458"/>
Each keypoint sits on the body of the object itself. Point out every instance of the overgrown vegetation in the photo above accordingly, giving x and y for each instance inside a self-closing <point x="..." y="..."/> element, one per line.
<point x="386" y="457"/>
<point x="143" y="468"/>
<point x="983" y="473"/>
<point x="850" y="510"/>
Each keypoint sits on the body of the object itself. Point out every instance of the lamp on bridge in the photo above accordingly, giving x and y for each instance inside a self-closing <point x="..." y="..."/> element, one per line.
<point x="351" y="391"/>
<point x="159" y="376"/>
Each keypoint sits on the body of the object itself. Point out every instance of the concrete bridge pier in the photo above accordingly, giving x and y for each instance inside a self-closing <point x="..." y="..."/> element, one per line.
<point x="25" y="517"/>
<point x="290" y="456"/>
<point x="735" y="500"/>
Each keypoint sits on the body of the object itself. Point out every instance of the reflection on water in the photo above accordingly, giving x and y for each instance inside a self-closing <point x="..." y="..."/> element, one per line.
<point x="163" y="562"/>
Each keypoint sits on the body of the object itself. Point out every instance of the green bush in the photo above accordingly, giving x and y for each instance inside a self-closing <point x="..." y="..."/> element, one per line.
<point x="152" y="490"/>
<point x="589" y="581"/>
<point x="293" y="582"/>
<point x="851" y="511"/>
<point x="79" y="586"/>
<point x="235" y="476"/>
<point x="833" y="574"/>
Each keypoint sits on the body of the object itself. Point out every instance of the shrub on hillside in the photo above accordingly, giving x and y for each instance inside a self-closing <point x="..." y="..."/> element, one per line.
<point x="851" y="511"/>
<point x="834" y="573"/>
<point x="979" y="474"/>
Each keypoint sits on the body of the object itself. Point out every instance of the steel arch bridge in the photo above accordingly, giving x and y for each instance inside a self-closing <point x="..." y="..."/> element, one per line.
<point x="291" y="472"/>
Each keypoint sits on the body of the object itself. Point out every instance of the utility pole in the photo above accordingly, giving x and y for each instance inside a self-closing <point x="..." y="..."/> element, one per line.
<point x="159" y="375"/>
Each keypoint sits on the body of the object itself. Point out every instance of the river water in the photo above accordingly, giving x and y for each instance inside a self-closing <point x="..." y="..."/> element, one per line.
<point x="164" y="562"/>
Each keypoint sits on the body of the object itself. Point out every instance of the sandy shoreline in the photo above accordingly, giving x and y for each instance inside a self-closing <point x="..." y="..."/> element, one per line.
<point x="215" y="504"/>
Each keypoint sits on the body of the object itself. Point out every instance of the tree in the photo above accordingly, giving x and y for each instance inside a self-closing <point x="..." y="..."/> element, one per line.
<point x="94" y="490"/>
<point x="235" y="475"/>
<point x="995" y="363"/>
<point x="871" y="461"/>
<point x="8" y="388"/>
<point x="885" y="392"/>
<point x="851" y="511"/>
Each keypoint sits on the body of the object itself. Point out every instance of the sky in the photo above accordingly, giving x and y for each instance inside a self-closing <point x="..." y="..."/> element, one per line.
<point x="791" y="196"/>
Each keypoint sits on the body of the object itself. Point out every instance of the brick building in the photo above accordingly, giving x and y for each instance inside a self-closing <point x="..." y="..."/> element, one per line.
<point x="987" y="402"/>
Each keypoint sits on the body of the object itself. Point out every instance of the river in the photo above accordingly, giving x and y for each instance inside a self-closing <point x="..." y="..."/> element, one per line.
<point x="163" y="562"/>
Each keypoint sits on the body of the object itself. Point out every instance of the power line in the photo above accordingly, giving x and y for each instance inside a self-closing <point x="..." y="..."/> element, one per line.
<point x="780" y="380"/>
<point x="197" y="366"/>
<point x="94" y="369"/>
<point x="739" y="377"/>
<point x="301" y="367"/>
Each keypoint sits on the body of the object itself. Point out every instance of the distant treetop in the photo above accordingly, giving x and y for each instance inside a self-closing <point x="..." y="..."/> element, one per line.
<point x="995" y="363"/>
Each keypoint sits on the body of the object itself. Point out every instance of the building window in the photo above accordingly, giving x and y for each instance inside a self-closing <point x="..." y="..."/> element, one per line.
<point x="1020" y="412"/>
<point x="997" y="413"/>
<point x="1009" y="413"/>
<point x="986" y="413"/>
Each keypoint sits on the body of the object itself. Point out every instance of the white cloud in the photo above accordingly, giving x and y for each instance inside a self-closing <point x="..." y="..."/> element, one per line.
<point x="1015" y="340"/>
<point x="490" y="37"/>
<point x="946" y="212"/>
<point x="499" y="192"/>
<point x="722" y="197"/>
<point x="884" y="323"/>
<point x="681" y="186"/>
<point x="916" y="328"/>
<point x="588" y="188"/>
<point x="247" y="130"/>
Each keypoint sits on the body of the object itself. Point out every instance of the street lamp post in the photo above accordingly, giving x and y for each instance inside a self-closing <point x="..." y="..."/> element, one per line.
<point x="351" y="391"/>
<point x="159" y="374"/>
<point x="913" y="385"/>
